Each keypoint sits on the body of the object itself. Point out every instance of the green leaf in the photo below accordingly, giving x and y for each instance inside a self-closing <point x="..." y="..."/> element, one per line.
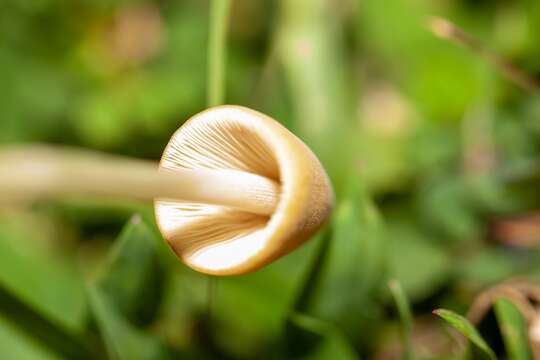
<point x="311" y="283"/>
<point x="46" y="332"/>
<point x="353" y="261"/>
<point x="15" y="345"/>
<point x="358" y="248"/>
<point x="489" y="266"/>
<point x="467" y="329"/>
<point x="43" y="280"/>
<point x="513" y="330"/>
<point x="419" y="264"/>
<point x="128" y="293"/>
<point x="448" y="208"/>
<point x="266" y="295"/>
<point x="311" y="338"/>
<point x="40" y="292"/>
<point x="122" y="341"/>
<point x="406" y="317"/>
<point x="349" y="262"/>
<point x="133" y="277"/>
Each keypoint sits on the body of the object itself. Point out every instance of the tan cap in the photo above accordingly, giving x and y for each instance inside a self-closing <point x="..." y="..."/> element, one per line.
<point x="237" y="141"/>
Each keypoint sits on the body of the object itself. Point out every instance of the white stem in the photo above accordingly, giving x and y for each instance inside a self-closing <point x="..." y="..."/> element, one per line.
<point x="40" y="171"/>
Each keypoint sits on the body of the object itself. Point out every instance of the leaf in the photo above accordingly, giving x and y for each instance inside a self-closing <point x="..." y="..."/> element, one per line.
<point x="48" y="333"/>
<point x="467" y="329"/>
<point x="406" y="317"/>
<point x="266" y="295"/>
<point x="15" y="345"/>
<point x="489" y="266"/>
<point x="513" y="330"/>
<point x="419" y="264"/>
<point x="448" y="208"/>
<point x="128" y="293"/>
<point x="358" y="248"/>
<point x="122" y="341"/>
<point x="311" y="338"/>
<point x="310" y="284"/>
<point x="349" y="262"/>
<point x="133" y="277"/>
<point x="40" y="293"/>
<point x="43" y="281"/>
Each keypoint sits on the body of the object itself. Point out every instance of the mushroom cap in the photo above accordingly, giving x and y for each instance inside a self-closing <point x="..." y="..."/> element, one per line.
<point x="222" y="240"/>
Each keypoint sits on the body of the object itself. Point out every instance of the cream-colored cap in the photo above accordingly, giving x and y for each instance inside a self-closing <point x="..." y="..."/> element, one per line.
<point x="223" y="240"/>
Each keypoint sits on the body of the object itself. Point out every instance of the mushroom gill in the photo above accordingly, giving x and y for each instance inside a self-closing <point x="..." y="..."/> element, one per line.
<point x="223" y="240"/>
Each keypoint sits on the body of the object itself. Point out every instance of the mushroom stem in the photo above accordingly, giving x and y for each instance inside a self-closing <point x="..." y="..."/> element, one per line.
<point x="39" y="171"/>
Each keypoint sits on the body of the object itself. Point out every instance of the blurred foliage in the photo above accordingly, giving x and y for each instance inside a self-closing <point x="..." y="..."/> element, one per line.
<point x="513" y="329"/>
<point x="435" y="159"/>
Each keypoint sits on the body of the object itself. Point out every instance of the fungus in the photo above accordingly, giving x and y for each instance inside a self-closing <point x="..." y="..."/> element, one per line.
<point x="223" y="240"/>
<point x="235" y="189"/>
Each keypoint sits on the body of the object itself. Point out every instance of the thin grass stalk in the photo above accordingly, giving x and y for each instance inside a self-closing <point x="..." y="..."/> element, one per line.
<point x="406" y="317"/>
<point x="217" y="51"/>
<point x="219" y="20"/>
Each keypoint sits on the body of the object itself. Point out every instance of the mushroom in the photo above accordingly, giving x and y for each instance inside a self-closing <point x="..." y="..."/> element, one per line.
<point x="224" y="240"/>
<point x="235" y="190"/>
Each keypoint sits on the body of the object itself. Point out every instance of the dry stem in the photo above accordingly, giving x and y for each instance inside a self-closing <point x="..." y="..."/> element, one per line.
<point x="444" y="29"/>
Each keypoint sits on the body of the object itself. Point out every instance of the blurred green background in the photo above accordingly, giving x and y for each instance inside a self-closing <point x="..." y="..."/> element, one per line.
<point x="435" y="159"/>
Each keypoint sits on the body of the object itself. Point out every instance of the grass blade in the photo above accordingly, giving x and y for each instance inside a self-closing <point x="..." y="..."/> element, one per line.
<point x="405" y="315"/>
<point x="325" y="340"/>
<point x="219" y="15"/>
<point x="467" y="329"/>
<point x="349" y="261"/>
<point x="133" y="277"/>
<point x="513" y="330"/>
<point x="128" y="294"/>
<point x="123" y="342"/>
<point x="48" y="333"/>
<point x="312" y="282"/>
<point x="41" y="296"/>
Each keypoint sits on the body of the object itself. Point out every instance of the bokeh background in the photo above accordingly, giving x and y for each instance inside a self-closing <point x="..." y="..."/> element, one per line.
<point x="435" y="158"/>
